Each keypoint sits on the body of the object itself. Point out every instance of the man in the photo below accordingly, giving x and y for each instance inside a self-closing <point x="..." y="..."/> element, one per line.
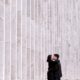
<point x="54" y="67"/>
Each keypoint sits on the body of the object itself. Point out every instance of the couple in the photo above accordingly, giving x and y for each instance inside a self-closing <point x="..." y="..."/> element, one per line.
<point x="54" y="67"/>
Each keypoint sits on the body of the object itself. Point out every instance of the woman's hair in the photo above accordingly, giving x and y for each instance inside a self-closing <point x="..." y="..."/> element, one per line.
<point x="57" y="55"/>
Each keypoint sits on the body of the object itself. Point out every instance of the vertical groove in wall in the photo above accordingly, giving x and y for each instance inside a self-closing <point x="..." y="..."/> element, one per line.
<point x="7" y="42"/>
<point x="13" y="42"/>
<point x="18" y="40"/>
<point x="4" y="44"/>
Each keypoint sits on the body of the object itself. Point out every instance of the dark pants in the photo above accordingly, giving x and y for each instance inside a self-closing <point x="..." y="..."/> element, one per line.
<point x="52" y="76"/>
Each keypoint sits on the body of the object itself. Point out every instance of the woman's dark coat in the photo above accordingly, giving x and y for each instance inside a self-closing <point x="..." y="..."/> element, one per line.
<point x="54" y="69"/>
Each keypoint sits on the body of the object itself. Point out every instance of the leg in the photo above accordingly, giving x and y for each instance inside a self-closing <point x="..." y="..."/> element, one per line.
<point x="50" y="76"/>
<point x="56" y="78"/>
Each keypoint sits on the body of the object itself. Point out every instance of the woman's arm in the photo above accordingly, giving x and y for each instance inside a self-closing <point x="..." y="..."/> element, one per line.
<point x="49" y="58"/>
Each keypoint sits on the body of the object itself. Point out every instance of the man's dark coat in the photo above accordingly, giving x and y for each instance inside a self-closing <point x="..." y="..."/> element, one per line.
<point x="54" y="69"/>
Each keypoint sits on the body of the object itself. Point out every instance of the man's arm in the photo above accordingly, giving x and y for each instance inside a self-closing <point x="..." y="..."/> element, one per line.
<point x="60" y="70"/>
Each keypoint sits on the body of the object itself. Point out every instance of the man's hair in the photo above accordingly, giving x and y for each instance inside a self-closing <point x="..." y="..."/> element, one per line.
<point x="57" y="55"/>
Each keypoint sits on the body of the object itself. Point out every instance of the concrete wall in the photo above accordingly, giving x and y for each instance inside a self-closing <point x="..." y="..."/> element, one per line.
<point x="32" y="29"/>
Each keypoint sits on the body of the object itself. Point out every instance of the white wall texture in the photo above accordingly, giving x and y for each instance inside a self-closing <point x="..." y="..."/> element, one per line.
<point x="32" y="29"/>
